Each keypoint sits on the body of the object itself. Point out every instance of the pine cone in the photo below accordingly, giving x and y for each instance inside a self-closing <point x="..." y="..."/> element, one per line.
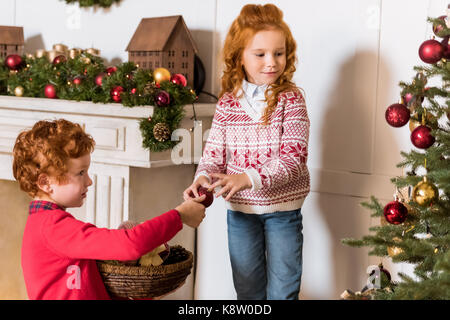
<point x="161" y="132"/>
<point x="177" y="254"/>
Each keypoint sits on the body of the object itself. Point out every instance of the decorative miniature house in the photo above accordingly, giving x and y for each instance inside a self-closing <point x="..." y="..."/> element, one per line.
<point x="164" y="42"/>
<point x="11" y="40"/>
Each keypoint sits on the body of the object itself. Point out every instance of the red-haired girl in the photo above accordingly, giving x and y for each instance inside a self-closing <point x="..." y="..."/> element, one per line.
<point x="256" y="152"/>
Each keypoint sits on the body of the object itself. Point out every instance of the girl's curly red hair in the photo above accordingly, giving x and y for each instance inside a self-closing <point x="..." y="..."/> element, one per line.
<point x="46" y="148"/>
<point x="252" y="19"/>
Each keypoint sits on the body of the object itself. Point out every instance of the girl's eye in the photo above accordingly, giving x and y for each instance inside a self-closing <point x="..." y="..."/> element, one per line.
<point x="280" y="53"/>
<point x="260" y="55"/>
<point x="81" y="172"/>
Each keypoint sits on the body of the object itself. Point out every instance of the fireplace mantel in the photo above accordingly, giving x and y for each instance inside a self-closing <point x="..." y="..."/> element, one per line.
<point x="118" y="149"/>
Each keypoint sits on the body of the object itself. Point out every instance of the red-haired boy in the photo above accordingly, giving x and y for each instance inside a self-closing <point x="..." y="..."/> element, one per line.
<point x="59" y="252"/>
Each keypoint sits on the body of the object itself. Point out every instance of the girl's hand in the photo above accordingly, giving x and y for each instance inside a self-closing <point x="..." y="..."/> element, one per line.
<point x="230" y="184"/>
<point x="192" y="191"/>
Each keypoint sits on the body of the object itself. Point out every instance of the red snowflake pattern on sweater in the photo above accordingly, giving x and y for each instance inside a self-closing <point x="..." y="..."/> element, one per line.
<point x="275" y="155"/>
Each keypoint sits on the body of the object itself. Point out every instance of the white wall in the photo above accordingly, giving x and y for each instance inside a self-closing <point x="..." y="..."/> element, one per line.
<point x="352" y="54"/>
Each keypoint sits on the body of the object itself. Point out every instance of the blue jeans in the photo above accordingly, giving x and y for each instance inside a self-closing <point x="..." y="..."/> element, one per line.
<point x="266" y="254"/>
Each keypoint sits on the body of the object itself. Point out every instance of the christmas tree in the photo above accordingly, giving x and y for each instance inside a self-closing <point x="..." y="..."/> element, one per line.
<point x="415" y="225"/>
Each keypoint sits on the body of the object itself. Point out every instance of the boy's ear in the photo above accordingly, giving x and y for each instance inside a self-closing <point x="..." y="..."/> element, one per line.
<point x="43" y="183"/>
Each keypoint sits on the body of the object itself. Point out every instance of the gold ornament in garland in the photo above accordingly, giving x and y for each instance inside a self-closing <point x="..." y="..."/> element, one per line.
<point x="161" y="132"/>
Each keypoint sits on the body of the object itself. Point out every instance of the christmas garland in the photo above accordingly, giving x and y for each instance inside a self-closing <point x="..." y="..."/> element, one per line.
<point x="92" y="3"/>
<point x="85" y="78"/>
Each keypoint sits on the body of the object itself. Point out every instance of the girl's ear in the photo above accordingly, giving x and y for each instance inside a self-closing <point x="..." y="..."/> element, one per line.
<point x="43" y="183"/>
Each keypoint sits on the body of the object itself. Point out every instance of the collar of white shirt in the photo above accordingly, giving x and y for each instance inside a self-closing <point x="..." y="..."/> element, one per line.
<point x="253" y="91"/>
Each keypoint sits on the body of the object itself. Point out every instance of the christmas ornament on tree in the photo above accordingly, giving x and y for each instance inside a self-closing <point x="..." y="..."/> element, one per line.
<point x="18" y="91"/>
<point x="13" y="62"/>
<point x="415" y="121"/>
<point x="50" y="91"/>
<point x="407" y="98"/>
<point x="446" y="47"/>
<point x="77" y="81"/>
<point x="438" y="27"/>
<point x="421" y="137"/>
<point x="161" y="132"/>
<point x="425" y="193"/>
<point x="115" y="93"/>
<point x="395" y="212"/>
<point x="179" y="79"/>
<point x="162" y="99"/>
<point x="397" y="115"/>
<point x="161" y="74"/>
<point x="431" y="51"/>
<point x="393" y="251"/>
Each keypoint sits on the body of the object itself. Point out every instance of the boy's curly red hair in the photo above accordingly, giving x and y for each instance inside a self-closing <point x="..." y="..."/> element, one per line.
<point x="252" y="19"/>
<point x="46" y="148"/>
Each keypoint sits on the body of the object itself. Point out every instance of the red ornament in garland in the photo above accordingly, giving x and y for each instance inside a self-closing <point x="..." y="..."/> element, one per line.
<point x="421" y="137"/>
<point x="397" y="115"/>
<point x="431" y="51"/>
<point x="59" y="59"/>
<point x="395" y="212"/>
<point x="162" y="99"/>
<point x="179" y="79"/>
<point x="77" y="81"/>
<point x="13" y="61"/>
<point x="115" y="93"/>
<point x="111" y="70"/>
<point x="99" y="79"/>
<point x="133" y="91"/>
<point x="50" y="91"/>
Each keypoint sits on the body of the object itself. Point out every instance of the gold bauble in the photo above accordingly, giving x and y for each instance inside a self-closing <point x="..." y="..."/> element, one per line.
<point x="60" y="47"/>
<point x="52" y="54"/>
<point x="416" y="120"/>
<point x="425" y="193"/>
<point x="41" y="53"/>
<point x="393" y="251"/>
<point x="86" y="60"/>
<point x="18" y="91"/>
<point x="161" y="74"/>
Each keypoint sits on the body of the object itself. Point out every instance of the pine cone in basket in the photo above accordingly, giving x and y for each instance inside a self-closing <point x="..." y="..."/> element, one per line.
<point x="177" y="254"/>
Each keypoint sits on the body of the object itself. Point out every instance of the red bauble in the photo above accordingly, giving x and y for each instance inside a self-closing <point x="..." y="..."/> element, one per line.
<point x="13" y="61"/>
<point x="162" y="99"/>
<point x="99" y="79"/>
<point x="421" y="137"/>
<point x="59" y="59"/>
<point x="431" y="51"/>
<point x="50" y="91"/>
<point x="133" y="91"/>
<point x="116" y="92"/>
<point x="397" y="115"/>
<point x="446" y="47"/>
<point x="407" y="98"/>
<point x="111" y="70"/>
<point x="395" y="212"/>
<point x="179" y="79"/>
<point x="209" y="196"/>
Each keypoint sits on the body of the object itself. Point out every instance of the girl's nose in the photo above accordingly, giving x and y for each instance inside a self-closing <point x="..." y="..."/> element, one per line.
<point x="89" y="182"/>
<point x="270" y="61"/>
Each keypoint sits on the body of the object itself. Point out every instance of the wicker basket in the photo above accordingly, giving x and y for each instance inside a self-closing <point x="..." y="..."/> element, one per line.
<point x="137" y="282"/>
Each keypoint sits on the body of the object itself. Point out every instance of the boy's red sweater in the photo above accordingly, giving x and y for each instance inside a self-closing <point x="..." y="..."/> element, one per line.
<point x="59" y="252"/>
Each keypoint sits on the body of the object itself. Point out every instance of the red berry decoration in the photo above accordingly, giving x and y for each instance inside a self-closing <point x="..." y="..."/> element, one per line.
<point x="133" y="91"/>
<point x="179" y="79"/>
<point x="99" y="79"/>
<point x="431" y="51"/>
<point x="50" y="91"/>
<point x="395" y="212"/>
<point x="13" y="61"/>
<point x="115" y="93"/>
<point x="397" y="115"/>
<point x="421" y="137"/>
<point x="162" y="99"/>
<point x="59" y="59"/>
<point x="111" y="70"/>
<point x="209" y="196"/>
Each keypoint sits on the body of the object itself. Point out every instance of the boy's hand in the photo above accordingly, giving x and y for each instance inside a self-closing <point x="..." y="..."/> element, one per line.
<point x="192" y="211"/>
<point x="192" y="191"/>
<point x="230" y="184"/>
